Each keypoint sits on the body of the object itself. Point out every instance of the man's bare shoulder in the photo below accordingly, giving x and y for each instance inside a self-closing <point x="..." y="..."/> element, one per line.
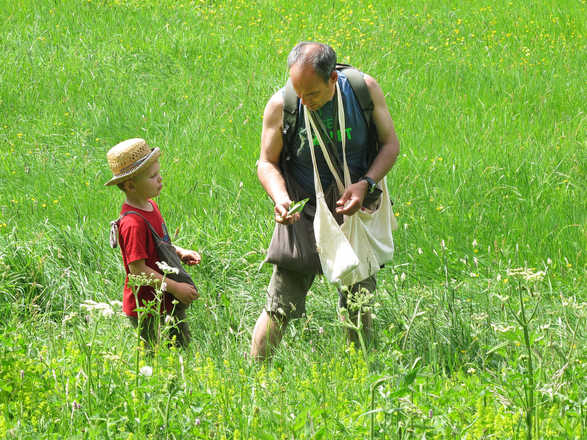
<point x="274" y="109"/>
<point x="275" y="103"/>
<point x="371" y="83"/>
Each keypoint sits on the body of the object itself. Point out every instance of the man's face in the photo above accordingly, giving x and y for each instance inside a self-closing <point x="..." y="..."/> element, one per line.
<point x="310" y="87"/>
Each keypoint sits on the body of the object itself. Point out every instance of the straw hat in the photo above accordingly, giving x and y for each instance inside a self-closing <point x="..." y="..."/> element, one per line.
<point x="128" y="158"/>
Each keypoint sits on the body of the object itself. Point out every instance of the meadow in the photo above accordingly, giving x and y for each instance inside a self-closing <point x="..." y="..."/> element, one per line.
<point x="480" y="320"/>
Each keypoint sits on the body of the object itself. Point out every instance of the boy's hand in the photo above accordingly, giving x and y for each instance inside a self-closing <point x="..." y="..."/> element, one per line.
<point x="188" y="257"/>
<point x="185" y="293"/>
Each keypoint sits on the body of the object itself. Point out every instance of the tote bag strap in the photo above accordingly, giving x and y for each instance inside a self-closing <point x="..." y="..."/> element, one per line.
<point x="311" y="126"/>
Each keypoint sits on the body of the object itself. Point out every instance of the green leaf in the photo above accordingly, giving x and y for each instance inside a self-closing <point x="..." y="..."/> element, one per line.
<point x="297" y="206"/>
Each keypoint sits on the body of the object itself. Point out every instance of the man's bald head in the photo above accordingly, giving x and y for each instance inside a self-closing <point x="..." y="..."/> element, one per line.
<point x="321" y="57"/>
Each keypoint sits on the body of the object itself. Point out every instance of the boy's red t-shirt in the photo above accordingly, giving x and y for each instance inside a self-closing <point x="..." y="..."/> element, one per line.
<point x="136" y="243"/>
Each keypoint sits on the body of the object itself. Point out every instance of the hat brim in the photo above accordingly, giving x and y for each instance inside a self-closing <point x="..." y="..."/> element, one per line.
<point x="153" y="155"/>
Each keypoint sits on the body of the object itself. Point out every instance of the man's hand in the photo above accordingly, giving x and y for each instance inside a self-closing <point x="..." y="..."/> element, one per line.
<point x="183" y="292"/>
<point x="187" y="256"/>
<point x="281" y="213"/>
<point x="352" y="198"/>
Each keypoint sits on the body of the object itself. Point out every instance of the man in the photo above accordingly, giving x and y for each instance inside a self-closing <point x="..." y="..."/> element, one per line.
<point x="313" y="75"/>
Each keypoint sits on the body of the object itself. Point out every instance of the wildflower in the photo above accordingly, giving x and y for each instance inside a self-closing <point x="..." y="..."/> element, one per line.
<point x="102" y="308"/>
<point x="528" y="274"/>
<point x="166" y="268"/>
<point x="321" y="330"/>
<point x="197" y="421"/>
<point x="68" y="317"/>
<point x="146" y="371"/>
<point x="502" y="328"/>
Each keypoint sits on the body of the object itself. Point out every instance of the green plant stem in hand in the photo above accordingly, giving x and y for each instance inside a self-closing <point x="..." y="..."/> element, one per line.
<point x="297" y="206"/>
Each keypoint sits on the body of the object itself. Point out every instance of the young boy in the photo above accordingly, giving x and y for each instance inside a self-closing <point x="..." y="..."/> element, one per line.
<point x="135" y="168"/>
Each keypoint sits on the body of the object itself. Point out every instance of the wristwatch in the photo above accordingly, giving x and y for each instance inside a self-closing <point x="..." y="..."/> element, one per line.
<point x="371" y="182"/>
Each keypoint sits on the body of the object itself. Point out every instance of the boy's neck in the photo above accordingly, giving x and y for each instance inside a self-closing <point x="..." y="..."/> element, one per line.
<point x="139" y="203"/>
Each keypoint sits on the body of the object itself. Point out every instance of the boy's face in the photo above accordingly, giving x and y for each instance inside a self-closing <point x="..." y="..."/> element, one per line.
<point x="148" y="183"/>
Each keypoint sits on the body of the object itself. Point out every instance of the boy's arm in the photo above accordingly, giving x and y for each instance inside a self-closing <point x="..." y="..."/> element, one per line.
<point x="183" y="292"/>
<point x="188" y="256"/>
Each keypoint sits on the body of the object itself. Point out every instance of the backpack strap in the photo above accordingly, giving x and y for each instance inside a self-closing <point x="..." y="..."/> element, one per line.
<point x="359" y="87"/>
<point x="114" y="225"/>
<point x="290" y="114"/>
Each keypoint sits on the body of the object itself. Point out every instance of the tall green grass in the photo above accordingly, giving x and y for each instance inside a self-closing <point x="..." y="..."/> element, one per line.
<point x="488" y="103"/>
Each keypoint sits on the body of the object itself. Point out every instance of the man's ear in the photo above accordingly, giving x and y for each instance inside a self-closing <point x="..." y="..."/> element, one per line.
<point x="334" y="76"/>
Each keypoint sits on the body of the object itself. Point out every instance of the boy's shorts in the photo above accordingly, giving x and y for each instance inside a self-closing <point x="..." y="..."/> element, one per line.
<point x="286" y="295"/>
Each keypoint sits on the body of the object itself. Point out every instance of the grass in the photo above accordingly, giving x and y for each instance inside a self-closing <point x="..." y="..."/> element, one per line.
<point x="488" y="103"/>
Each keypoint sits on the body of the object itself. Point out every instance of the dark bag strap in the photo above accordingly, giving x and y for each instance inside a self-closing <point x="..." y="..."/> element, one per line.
<point x="155" y="235"/>
<point x="115" y="224"/>
<point x="165" y="249"/>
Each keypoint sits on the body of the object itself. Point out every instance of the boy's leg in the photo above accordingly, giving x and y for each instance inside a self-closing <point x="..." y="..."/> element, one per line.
<point x="180" y="328"/>
<point x="148" y="333"/>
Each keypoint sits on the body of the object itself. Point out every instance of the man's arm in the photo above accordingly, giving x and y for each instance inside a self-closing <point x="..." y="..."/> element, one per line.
<point x="268" y="169"/>
<point x="352" y="199"/>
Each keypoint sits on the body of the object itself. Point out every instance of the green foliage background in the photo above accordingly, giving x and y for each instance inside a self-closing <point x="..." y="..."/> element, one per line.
<point x="488" y="102"/>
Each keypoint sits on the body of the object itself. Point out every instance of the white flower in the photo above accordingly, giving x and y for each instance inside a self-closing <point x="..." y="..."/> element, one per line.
<point x="501" y="328"/>
<point x="166" y="268"/>
<point x="103" y="308"/>
<point x="116" y="303"/>
<point x="528" y="274"/>
<point x="146" y="371"/>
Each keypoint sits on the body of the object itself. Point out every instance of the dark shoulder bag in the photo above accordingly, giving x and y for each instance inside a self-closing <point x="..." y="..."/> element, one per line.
<point x="165" y="250"/>
<point x="293" y="246"/>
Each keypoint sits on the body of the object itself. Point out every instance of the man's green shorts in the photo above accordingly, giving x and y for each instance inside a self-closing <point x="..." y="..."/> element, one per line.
<point x="288" y="289"/>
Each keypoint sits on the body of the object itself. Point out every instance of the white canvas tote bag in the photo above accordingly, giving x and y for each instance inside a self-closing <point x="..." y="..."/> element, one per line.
<point x="337" y="256"/>
<point x="355" y="251"/>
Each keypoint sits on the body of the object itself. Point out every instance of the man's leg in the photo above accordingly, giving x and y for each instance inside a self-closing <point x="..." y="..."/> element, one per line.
<point x="286" y="299"/>
<point x="267" y="335"/>
<point x="351" y="300"/>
